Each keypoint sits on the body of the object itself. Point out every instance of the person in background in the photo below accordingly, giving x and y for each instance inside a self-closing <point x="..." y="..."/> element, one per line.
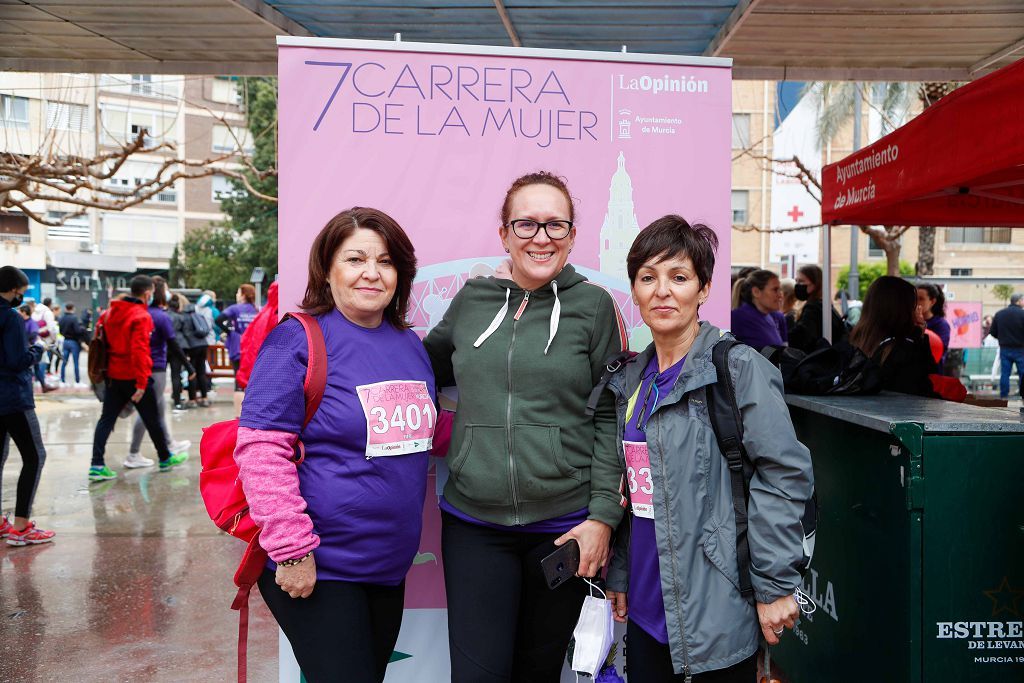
<point x="162" y="345"/>
<point x="175" y="303"/>
<point x="32" y="333"/>
<point x="75" y="335"/>
<point x="890" y="332"/>
<point x="55" y="359"/>
<point x="17" y="410"/>
<point x="807" y="330"/>
<point x="196" y="344"/>
<point x="933" y="306"/>
<point x="528" y="470"/>
<point x="736" y="282"/>
<point x="207" y="306"/>
<point x="674" y="576"/>
<point x="127" y="327"/>
<point x="342" y="528"/>
<point x="790" y="306"/>
<point x="254" y="335"/>
<point x="1008" y="329"/>
<point x="43" y="315"/>
<point x="234" y="320"/>
<point x="758" y="321"/>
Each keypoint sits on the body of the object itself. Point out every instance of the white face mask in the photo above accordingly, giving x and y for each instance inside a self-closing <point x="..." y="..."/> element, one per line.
<point x="594" y="635"/>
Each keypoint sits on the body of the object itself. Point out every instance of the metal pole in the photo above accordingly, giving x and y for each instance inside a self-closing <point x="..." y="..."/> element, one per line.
<point x="826" y="285"/>
<point x="259" y="294"/>
<point x="853" y="281"/>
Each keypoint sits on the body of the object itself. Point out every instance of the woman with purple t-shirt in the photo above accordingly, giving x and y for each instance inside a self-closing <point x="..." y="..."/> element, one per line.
<point x="674" y="576"/>
<point x="758" y="321"/>
<point x="234" y="320"/>
<point x="342" y="528"/>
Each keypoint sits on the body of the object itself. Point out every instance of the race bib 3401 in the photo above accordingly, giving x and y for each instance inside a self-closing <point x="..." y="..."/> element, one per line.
<point x="638" y="475"/>
<point x="400" y="417"/>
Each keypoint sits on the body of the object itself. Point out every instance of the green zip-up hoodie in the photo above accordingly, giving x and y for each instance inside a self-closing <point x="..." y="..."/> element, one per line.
<point x="523" y="450"/>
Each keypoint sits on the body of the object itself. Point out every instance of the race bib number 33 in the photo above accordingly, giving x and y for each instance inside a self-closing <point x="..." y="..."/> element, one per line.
<point x="400" y="417"/>
<point x="638" y="475"/>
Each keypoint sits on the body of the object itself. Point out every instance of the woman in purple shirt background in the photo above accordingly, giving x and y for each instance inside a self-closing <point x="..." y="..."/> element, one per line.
<point x="759" y="321"/>
<point x="343" y="527"/>
<point x="234" y="320"/>
<point x="933" y="304"/>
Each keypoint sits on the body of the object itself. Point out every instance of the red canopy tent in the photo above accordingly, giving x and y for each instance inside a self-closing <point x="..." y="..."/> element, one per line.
<point x="960" y="163"/>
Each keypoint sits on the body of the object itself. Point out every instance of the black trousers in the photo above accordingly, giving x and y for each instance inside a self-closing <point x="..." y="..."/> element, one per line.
<point x="648" y="661"/>
<point x="197" y="357"/>
<point x="343" y="631"/>
<point x="176" y="368"/>
<point x="23" y="429"/>
<point x="118" y="394"/>
<point x="504" y="623"/>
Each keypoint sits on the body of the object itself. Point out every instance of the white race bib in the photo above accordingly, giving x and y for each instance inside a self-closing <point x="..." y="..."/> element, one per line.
<point x="400" y="417"/>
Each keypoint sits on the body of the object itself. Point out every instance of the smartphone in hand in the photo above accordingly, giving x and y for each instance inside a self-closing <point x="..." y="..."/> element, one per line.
<point x="562" y="564"/>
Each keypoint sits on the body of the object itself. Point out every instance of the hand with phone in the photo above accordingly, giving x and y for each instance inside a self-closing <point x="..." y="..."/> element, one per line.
<point x="594" y="538"/>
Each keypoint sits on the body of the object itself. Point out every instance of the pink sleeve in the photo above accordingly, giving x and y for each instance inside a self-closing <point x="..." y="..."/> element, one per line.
<point x="271" y="485"/>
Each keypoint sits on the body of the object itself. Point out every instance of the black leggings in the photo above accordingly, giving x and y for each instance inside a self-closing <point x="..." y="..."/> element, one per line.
<point x="504" y="623"/>
<point x="23" y="428"/>
<point x="118" y="393"/>
<point x="197" y="357"/>
<point x="648" y="661"/>
<point x="343" y="631"/>
<point x="176" y="367"/>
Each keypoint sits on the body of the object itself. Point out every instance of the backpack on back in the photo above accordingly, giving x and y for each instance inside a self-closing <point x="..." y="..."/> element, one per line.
<point x="826" y="370"/>
<point x="222" y="490"/>
<point x="99" y="353"/>
<point x="200" y="326"/>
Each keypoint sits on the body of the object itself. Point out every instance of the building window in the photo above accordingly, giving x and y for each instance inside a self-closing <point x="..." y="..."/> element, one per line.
<point x="961" y="272"/>
<point x="977" y="235"/>
<point x="223" y="188"/>
<point x="142" y="84"/>
<point x="67" y="116"/>
<point x="13" y="111"/>
<point x="74" y="228"/>
<point x="740" y="201"/>
<point x="875" y="249"/>
<point x="740" y="131"/>
<point x="121" y="125"/>
<point x="224" y="89"/>
<point x="14" y="228"/>
<point x="134" y="174"/>
<point x="227" y="140"/>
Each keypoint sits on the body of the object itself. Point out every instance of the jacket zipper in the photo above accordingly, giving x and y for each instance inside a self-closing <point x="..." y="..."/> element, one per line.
<point x="508" y="413"/>
<point x="675" y="571"/>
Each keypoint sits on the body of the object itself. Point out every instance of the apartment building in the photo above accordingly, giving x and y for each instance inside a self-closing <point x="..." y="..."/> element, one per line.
<point x="91" y="255"/>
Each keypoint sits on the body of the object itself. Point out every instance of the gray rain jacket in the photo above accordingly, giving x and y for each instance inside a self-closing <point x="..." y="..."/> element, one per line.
<point x="710" y="625"/>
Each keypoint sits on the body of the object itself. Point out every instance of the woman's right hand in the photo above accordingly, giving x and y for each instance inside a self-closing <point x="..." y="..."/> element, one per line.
<point x="619" y="608"/>
<point x="299" y="579"/>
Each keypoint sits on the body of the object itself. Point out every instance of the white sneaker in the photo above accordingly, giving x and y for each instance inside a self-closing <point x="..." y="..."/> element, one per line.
<point x="136" y="460"/>
<point x="176" y="447"/>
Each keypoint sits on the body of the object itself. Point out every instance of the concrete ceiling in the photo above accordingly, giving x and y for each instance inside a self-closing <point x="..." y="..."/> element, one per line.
<point x="770" y="39"/>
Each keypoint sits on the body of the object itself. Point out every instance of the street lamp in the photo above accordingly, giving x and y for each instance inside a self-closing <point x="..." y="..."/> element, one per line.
<point x="257" y="278"/>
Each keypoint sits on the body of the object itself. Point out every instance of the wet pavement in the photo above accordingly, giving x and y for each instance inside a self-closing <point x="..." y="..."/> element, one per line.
<point x="138" y="582"/>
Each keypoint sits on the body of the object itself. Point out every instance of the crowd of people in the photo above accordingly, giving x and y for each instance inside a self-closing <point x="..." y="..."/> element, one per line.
<point x="561" y="440"/>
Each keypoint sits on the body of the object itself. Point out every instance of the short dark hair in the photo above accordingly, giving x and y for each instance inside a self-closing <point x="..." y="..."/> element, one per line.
<point x="536" y="178"/>
<point x="140" y="284"/>
<point x="938" y="309"/>
<point x="69" y="307"/>
<point x="318" y="298"/>
<point x="47" y="302"/>
<point x="26" y="309"/>
<point x="671" y="236"/>
<point x="12" y="278"/>
<point x="757" y="278"/>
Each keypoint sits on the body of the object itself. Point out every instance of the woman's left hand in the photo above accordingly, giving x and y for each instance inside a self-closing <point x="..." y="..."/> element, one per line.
<point x="777" y="616"/>
<point x="594" y="538"/>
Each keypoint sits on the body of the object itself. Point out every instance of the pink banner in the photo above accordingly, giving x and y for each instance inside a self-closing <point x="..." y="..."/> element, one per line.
<point x="964" y="318"/>
<point x="434" y="135"/>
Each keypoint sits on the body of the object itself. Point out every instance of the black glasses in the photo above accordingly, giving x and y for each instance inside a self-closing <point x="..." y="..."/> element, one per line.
<point x="644" y="417"/>
<point x="525" y="229"/>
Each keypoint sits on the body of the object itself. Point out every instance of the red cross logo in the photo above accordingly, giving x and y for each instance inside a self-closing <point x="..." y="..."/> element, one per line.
<point x="795" y="213"/>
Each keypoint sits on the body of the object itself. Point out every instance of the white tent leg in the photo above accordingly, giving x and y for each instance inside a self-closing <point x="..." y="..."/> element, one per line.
<point x="826" y="284"/>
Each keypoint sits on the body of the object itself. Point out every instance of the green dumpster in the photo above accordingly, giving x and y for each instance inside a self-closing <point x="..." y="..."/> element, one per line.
<point x="918" y="569"/>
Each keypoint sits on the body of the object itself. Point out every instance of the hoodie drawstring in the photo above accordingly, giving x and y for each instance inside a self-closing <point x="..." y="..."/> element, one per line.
<point x="495" y="324"/>
<point x="556" y="312"/>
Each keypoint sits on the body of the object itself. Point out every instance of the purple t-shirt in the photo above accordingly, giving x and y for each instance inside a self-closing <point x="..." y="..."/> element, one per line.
<point x="757" y="329"/>
<point x="366" y="506"/>
<point x="940" y="326"/>
<point x="240" y="315"/>
<point x="646" y="605"/>
<point x="163" y="330"/>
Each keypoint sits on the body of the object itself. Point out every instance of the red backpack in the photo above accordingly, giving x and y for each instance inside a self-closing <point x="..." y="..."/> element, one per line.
<point x="222" y="491"/>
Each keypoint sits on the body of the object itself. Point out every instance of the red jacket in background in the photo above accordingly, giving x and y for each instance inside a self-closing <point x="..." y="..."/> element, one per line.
<point x="128" y="326"/>
<point x="254" y="335"/>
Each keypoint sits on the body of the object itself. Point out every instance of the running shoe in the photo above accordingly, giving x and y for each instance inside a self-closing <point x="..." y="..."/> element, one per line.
<point x="179" y="446"/>
<point x="101" y="473"/>
<point x="173" y="461"/>
<point x="5" y="527"/>
<point x="137" y="460"/>
<point x="30" y="535"/>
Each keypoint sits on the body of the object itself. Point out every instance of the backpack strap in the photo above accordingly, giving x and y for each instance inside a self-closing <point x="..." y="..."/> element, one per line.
<point x="728" y="425"/>
<point x="316" y="370"/>
<point x="611" y="366"/>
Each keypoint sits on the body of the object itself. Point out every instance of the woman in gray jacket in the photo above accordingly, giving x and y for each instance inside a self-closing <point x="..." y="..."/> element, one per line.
<point x="675" y="574"/>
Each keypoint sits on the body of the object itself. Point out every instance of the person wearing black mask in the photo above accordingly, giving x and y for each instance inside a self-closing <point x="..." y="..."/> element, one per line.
<point x="17" y="409"/>
<point x="807" y="330"/>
